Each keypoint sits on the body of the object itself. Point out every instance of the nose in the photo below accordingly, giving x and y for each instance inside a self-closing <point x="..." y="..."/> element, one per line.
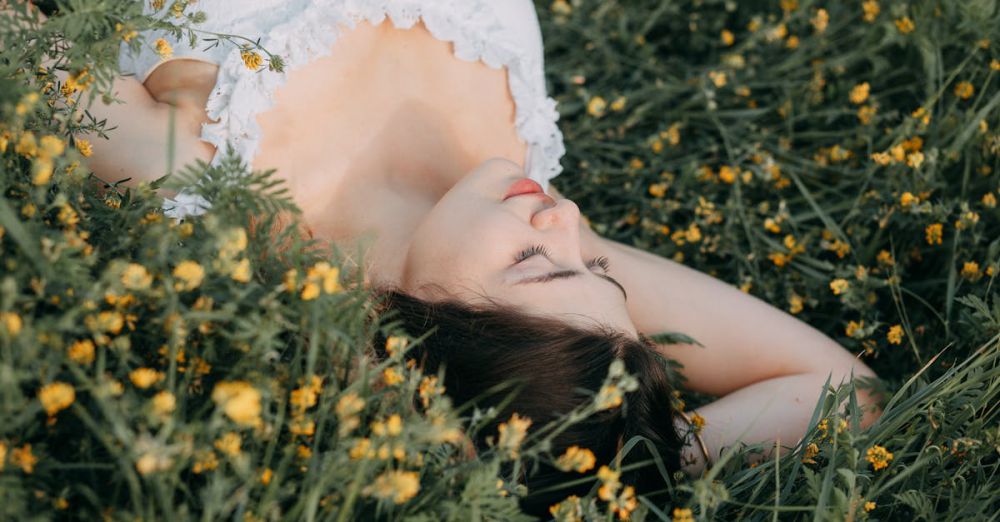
<point x="563" y="215"/>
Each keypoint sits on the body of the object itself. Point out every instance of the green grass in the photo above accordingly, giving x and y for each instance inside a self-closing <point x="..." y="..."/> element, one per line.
<point x="799" y="163"/>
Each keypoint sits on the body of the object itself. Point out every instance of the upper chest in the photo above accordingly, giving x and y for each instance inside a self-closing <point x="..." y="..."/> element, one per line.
<point x="383" y="99"/>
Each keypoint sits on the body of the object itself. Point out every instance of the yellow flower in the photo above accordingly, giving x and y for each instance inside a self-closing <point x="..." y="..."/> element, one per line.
<point x="163" y="48"/>
<point x="11" y="323"/>
<point x="970" y="271"/>
<point x="241" y="272"/>
<point x="789" y="5"/>
<point x="895" y="334"/>
<point x="576" y="458"/>
<point x="397" y="485"/>
<point x="190" y="273"/>
<point x="779" y="258"/>
<point x="429" y="388"/>
<point x="51" y="146"/>
<point x="512" y="433"/>
<point x="915" y="159"/>
<point x="885" y="258"/>
<point x="349" y="404"/>
<point x="658" y="190"/>
<point x="301" y="426"/>
<point x="879" y="457"/>
<point x="82" y="352"/>
<point x="913" y="144"/>
<point x="866" y="113"/>
<point x="811" y="451"/>
<point x="3" y="454"/>
<point x="964" y="90"/>
<point x="26" y="145"/>
<point x="672" y="134"/>
<point x="310" y="291"/>
<point x="989" y="200"/>
<point x="608" y="397"/>
<point x="881" y="158"/>
<point x="860" y="93"/>
<point x="251" y="59"/>
<point x="795" y="304"/>
<point x="229" y="444"/>
<point x="871" y="9"/>
<point x="596" y="106"/>
<point x="869" y="505"/>
<point x="84" y="146"/>
<point x="821" y="20"/>
<point x="682" y="515"/>
<point x="321" y="274"/>
<point x="697" y="421"/>
<point x="922" y="115"/>
<point x="265" y="476"/>
<point x="618" y="104"/>
<point x="144" y="377"/>
<point x="777" y="32"/>
<point x="41" y="171"/>
<point x="792" y="42"/>
<point x="995" y="65"/>
<point x="392" y="377"/>
<point x="839" y="286"/>
<point x="239" y="400"/>
<point x="56" y="396"/>
<point x="727" y="37"/>
<point x="772" y="226"/>
<point x="693" y="233"/>
<point x="624" y="504"/>
<point x="934" y="233"/>
<point x="905" y="25"/>
<point x="205" y="461"/>
<point x="395" y="345"/>
<point x="164" y="403"/>
<point x="727" y="174"/>
<point x="855" y="329"/>
<point x="561" y="7"/>
<point x="568" y="510"/>
<point x="908" y="199"/>
<point x="610" y="483"/>
<point x="23" y="458"/>
<point x="135" y="277"/>
<point x="127" y="36"/>
<point x="718" y="78"/>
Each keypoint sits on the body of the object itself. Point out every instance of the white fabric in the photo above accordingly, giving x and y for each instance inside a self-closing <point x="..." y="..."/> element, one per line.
<point x="500" y="33"/>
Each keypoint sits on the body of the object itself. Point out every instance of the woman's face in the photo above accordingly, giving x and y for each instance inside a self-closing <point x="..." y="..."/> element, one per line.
<point x="523" y="250"/>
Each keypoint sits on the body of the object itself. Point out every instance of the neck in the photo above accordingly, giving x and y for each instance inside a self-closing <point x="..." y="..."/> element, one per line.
<point x="411" y="163"/>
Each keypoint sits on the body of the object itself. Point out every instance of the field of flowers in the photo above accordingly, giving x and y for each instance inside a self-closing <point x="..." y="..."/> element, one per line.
<point x="840" y="160"/>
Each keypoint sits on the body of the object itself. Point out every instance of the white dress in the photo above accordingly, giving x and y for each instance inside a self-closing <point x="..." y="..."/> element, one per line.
<point x="500" y="33"/>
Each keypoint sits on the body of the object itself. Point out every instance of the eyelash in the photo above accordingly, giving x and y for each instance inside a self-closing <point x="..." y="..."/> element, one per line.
<point x="600" y="261"/>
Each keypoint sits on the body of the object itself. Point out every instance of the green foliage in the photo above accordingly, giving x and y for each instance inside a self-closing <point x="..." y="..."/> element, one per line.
<point x="162" y="370"/>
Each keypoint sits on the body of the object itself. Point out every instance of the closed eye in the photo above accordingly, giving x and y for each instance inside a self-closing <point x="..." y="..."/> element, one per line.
<point x="600" y="261"/>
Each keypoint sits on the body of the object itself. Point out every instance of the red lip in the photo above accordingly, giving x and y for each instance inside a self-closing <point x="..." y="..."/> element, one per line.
<point x="523" y="186"/>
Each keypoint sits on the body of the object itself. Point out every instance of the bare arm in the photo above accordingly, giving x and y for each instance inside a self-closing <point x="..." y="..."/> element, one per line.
<point x="754" y="354"/>
<point x="137" y="145"/>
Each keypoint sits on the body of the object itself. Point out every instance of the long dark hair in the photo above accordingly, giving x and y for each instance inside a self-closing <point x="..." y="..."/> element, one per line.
<point x="551" y="360"/>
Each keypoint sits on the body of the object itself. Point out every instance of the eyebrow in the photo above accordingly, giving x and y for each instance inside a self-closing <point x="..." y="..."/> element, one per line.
<point x="564" y="274"/>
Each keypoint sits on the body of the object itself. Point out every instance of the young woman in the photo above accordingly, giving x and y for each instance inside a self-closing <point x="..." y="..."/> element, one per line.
<point x="425" y="126"/>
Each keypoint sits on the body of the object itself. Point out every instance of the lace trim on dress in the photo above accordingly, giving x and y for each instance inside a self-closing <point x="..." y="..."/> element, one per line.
<point x="473" y="29"/>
